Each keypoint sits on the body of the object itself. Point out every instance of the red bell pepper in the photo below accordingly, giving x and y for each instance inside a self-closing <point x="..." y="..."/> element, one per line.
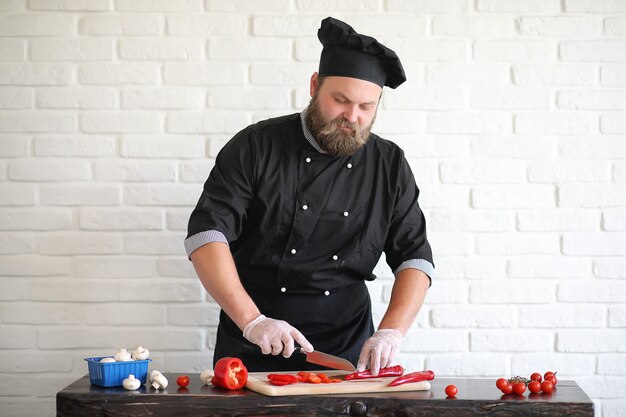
<point x="413" y="377"/>
<point x="230" y="373"/>
<point x="396" y="370"/>
<point x="282" y="379"/>
<point x="303" y="376"/>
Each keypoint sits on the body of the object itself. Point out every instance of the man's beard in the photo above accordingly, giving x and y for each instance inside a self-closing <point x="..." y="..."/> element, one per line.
<point x="329" y="135"/>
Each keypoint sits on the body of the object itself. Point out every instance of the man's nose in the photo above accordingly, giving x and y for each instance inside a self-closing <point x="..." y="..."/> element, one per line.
<point x="351" y="114"/>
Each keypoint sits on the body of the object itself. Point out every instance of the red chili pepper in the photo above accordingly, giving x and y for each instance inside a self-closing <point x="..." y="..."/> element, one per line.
<point x="396" y="370"/>
<point x="413" y="377"/>
<point x="230" y="373"/>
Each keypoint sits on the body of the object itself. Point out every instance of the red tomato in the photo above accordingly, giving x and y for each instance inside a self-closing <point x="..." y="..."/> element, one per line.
<point x="182" y="381"/>
<point x="547" y="373"/>
<point x="508" y="388"/>
<point x="536" y="376"/>
<point x="451" y="390"/>
<point x="551" y="378"/>
<point x="501" y="383"/>
<point x="534" y="387"/>
<point x="519" y="388"/>
<point x="547" y="387"/>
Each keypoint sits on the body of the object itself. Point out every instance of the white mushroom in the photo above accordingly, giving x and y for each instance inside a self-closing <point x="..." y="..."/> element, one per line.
<point x="122" y="356"/>
<point x="107" y="359"/>
<point x="158" y="380"/>
<point x="140" y="353"/>
<point x="206" y="376"/>
<point x="131" y="383"/>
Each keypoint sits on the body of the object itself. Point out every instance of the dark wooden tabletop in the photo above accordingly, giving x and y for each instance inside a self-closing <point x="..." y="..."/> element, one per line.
<point x="476" y="397"/>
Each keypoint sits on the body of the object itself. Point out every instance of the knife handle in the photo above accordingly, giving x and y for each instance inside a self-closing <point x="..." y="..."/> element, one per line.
<point x="299" y="349"/>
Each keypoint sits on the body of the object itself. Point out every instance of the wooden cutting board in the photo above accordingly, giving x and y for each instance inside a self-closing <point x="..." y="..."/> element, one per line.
<point x="257" y="381"/>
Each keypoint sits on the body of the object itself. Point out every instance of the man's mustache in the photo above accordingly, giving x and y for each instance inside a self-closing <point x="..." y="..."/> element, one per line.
<point x="340" y="122"/>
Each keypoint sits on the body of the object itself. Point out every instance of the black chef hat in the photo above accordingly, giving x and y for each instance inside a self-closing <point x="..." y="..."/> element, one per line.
<point x="349" y="54"/>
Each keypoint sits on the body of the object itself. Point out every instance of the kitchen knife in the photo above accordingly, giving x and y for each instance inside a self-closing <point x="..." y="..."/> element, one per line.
<point x="329" y="361"/>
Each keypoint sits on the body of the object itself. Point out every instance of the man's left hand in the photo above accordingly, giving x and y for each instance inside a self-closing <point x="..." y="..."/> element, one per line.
<point x="378" y="351"/>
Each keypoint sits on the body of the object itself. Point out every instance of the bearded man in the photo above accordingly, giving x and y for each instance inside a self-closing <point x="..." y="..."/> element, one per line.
<point x="297" y="212"/>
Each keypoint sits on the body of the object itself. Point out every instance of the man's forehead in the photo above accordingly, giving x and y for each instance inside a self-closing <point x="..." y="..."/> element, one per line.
<point x="352" y="88"/>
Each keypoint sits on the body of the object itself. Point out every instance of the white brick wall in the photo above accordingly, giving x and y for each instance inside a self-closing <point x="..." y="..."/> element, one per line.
<point x="513" y="120"/>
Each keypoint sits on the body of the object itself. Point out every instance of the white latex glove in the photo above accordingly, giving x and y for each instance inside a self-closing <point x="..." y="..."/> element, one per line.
<point x="275" y="336"/>
<point x="378" y="351"/>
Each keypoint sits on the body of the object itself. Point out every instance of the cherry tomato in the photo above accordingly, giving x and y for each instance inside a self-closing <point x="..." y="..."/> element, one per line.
<point x="451" y="390"/>
<point x="547" y="387"/>
<point x="182" y="381"/>
<point x="534" y="387"/>
<point x="508" y="388"/>
<point x="536" y="376"/>
<point x="551" y="378"/>
<point x="519" y="388"/>
<point x="547" y="373"/>
<point x="501" y="383"/>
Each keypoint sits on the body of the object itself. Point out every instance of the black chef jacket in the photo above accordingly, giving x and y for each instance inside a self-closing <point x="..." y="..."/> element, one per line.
<point x="306" y="230"/>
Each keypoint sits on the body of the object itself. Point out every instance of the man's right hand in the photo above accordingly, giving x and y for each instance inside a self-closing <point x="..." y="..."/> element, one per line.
<point x="275" y="336"/>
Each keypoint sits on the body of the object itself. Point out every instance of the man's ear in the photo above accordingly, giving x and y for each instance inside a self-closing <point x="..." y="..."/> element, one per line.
<point x="313" y="86"/>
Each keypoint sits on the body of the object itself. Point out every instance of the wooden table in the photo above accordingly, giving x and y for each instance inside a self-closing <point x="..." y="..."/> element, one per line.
<point x="476" y="397"/>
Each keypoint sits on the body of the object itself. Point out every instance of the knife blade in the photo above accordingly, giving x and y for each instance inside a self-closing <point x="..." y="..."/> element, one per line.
<point x="329" y="361"/>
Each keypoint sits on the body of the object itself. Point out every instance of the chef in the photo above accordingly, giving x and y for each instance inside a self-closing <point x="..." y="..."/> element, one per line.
<point x="298" y="210"/>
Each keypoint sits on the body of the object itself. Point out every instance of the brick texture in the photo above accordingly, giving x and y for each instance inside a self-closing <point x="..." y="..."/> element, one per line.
<point x="512" y="120"/>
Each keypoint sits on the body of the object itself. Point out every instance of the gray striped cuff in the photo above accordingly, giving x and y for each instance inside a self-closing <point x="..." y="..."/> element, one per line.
<point x="421" y="264"/>
<point x="200" y="239"/>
